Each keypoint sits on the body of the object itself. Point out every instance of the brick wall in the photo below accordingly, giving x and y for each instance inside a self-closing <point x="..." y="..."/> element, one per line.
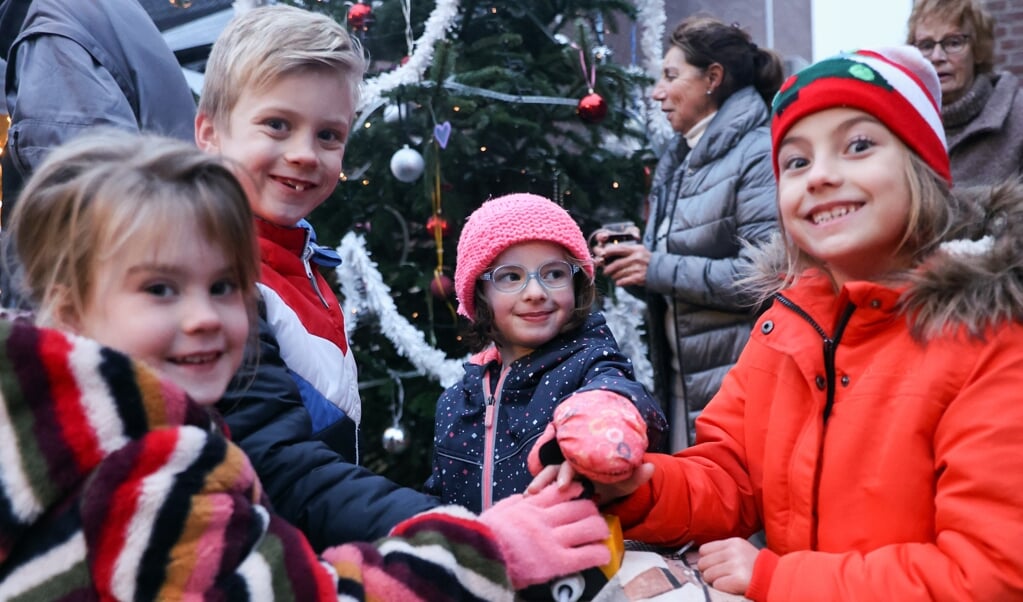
<point x="1008" y="16"/>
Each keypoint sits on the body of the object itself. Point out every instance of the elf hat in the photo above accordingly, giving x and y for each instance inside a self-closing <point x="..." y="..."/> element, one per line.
<point x="502" y="222"/>
<point x="896" y="85"/>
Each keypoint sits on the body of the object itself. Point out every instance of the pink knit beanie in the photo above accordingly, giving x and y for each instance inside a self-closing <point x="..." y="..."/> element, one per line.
<point x="502" y="222"/>
<point x="896" y="85"/>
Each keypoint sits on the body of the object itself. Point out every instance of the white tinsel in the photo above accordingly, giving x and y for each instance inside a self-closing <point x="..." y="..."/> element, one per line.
<point x="364" y="293"/>
<point x="437" y="26"/>
<point x="362" y="286"/>
<point x="650" y="14"/>
<point x="651" y="17"/>
<point x="625" y="318"/>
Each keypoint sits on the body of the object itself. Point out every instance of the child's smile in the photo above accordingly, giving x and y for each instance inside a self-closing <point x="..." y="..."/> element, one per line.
<point x="179" y="309"/>
<point x="294" y="184"/>
<point x="290" y="144"/>
<point x="536" y="314"/>
<point x="843" y="193"/>
<point x="827" y="214"/>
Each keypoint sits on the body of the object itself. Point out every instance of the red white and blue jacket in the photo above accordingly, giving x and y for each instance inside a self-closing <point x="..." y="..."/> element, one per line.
<point x="316" y="485"/>
<point x="305" y="317"/>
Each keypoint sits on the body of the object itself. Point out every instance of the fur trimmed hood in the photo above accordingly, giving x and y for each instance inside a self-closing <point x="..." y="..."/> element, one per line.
<point x="973" y="279"/>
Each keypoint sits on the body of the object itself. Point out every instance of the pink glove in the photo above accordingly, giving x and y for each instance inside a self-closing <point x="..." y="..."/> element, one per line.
<point x="599" y="433"/>
<point x="547" y="535"/>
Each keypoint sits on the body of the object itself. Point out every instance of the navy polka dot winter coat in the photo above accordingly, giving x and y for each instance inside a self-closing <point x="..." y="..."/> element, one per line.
<point x="587" y="358"/>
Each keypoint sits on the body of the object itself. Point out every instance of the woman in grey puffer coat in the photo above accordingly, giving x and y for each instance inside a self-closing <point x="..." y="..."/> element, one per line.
<point x="712" y="191"/>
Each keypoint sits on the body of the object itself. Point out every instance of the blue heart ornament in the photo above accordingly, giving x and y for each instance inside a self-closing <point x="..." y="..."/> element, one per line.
<point x="441" y="133"/>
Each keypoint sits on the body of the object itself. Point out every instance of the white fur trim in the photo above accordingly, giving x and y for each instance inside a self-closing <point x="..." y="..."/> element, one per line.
<point x="968" y="248"/>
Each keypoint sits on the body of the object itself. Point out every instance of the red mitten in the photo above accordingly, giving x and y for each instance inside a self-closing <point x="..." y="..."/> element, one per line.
<point x="548" y="535"/>
<point x="599" y="433"/>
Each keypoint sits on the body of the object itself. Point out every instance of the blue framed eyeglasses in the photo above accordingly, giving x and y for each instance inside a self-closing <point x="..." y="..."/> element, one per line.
<point x="514" y="278"/>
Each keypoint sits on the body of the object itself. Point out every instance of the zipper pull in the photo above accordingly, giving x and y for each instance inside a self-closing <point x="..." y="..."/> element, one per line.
<point x="307" y="255"/>
<point x="488" y="417"/>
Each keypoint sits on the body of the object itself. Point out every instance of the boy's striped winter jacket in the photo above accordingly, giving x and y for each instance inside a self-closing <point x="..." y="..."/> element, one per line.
<point x="113" y="485"/>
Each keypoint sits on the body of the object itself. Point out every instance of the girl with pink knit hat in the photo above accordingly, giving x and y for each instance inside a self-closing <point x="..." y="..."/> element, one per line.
<point x="872" y="426"/>
<point x="524" y="280"/>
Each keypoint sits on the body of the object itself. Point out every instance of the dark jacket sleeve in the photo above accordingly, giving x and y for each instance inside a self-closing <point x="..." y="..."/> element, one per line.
<point x="330" y="499"/>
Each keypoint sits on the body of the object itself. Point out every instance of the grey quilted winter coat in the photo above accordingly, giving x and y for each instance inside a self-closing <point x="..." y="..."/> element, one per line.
<point x="715" y="196"/>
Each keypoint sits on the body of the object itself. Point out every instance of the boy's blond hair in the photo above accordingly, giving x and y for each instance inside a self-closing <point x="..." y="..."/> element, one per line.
<point x="260" y="46"/>
<point x="112" y="192"/>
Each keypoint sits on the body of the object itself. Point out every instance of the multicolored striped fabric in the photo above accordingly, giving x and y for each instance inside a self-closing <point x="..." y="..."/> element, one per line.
<point x="114" y="486"/>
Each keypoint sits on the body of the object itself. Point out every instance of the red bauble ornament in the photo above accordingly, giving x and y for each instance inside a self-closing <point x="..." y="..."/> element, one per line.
<point x="442" y="286"/>
<point x="592" y="108"/>
<point x="436" y="222"/>
<point x="359" y="16"/>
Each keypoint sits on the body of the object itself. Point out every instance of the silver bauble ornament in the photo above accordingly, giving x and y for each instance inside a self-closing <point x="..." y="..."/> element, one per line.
<point x="407" y="164"/>
<point x="395" y="439"/>
<point x="392" y="113"/>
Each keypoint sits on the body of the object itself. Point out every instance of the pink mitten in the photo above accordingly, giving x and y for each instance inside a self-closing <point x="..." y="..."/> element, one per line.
<point x="599" y="433"/>
<point x="547" y="535"/>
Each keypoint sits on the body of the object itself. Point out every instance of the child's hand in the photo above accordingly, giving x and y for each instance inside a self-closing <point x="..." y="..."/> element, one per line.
<point x="562" y="474"/>
<point x="603" y="493"/>
<point x="549" y="534"/>
<point x="600" y="433"/>
<point x="727" y="564"/>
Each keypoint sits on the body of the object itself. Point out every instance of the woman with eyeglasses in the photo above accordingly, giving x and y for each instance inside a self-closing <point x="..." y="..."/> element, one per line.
<point x="982" y="110"/>
<point x="546" y="367"/>
<point x="713" y="191"/>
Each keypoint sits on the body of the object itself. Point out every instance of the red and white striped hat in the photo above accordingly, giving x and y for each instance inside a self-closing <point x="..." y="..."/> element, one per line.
<point x="896" y="85"/>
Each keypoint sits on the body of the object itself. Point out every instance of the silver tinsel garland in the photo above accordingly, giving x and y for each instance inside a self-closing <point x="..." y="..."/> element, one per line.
<point x="366" y="296"/>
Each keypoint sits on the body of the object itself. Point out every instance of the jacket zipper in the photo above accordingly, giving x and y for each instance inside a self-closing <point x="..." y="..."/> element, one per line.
<point x="830" y="349"/>
<point x="307" y="253"/>
<point x="490" y="436"/>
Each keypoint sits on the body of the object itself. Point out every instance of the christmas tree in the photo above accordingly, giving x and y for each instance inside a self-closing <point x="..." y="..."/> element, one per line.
<point x="490" y="98"/>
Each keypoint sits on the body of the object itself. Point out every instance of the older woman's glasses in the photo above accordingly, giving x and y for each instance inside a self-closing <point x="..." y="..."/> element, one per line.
<point x="953" y="44"/>
<point x="514" y="278"/>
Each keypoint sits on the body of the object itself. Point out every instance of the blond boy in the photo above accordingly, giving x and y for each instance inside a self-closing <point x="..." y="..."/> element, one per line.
<point x="280" y="91"/>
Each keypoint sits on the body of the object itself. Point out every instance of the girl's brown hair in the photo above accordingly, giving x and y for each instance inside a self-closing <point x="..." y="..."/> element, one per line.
<point x="112" y="192"/>
<point x="705" y="40"/>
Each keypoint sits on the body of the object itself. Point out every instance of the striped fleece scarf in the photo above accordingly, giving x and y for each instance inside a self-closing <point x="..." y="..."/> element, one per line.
<point x="115" y="486"/>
